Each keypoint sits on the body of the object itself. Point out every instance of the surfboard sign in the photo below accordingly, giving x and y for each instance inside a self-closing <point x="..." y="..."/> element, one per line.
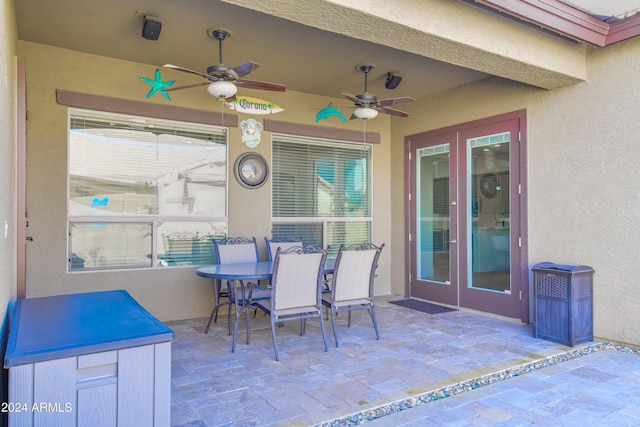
<point x="250" y="105"/>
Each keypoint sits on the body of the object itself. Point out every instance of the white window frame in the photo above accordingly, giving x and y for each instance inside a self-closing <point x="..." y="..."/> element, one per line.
<point x="324" y="221"/>
<point x="154" y="220"/>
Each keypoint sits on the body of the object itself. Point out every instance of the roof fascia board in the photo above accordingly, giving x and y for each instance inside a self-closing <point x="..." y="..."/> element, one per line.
<point x="555" y="16"/>
<point x="623" y="30"/>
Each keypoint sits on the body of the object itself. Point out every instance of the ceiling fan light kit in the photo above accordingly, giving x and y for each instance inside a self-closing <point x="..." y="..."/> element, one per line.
<point x="365" y="113"/>
<point x="367" y="106"/>
<point x="222" y="89"/>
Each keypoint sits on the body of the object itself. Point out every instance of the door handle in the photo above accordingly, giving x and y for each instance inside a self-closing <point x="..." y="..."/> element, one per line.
<point x="453" y="241"/>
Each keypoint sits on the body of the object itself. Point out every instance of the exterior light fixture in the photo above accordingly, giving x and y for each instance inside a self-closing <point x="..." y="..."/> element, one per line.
<point x="365" y="113"/>
<point x="222" y="89"/>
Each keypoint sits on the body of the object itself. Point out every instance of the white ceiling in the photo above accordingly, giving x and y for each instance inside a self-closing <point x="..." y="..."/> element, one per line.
<point x="606" y="7"/>
<point x="304" y="59"/>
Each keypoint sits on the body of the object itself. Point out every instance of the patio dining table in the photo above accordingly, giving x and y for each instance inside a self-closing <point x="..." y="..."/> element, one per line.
<point x="241" y="274"/>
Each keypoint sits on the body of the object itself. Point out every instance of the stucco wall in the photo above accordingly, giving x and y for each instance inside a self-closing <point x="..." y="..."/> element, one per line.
<point x="168" y="293"/>
<point x="583" y="152"/>
<point x="8" y="135"/>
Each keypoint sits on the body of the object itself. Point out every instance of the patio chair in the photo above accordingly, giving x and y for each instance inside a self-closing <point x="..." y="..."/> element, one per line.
<point x="283" y="243"/>
<point x="353" y="278"/>
<point x="234" y="251"/>
<point x="296" y="288"/>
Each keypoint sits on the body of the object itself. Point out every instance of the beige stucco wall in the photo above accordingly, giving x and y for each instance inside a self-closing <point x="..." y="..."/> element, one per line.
<point x="583" y="184"/>
<point x="168" y="293"/>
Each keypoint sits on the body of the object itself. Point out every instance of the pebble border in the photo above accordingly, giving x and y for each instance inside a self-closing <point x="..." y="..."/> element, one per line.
<point x="468" y="385"/>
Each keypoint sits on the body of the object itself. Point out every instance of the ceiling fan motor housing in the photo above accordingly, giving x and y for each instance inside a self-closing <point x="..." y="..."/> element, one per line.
<point x="367" y="98"/>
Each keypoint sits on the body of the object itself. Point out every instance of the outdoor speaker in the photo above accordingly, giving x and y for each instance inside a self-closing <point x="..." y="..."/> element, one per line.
<point x="151" y="28"/>
<point x="393" y="80"/>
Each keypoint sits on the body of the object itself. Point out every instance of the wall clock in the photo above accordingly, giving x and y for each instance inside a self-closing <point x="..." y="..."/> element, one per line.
<point x="488" y="185"/>
<point x="251" y="170"/>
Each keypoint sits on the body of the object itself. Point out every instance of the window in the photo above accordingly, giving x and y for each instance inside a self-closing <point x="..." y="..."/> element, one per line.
<point x="321" y="191"/>
<point x="144" y="192"/>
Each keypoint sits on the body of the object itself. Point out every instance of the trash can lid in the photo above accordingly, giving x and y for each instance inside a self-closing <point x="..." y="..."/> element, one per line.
<point x="549" y="266"/>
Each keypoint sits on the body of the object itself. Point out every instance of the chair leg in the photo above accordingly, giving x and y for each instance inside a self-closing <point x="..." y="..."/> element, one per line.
<point x="214" y="314"/>
<point x="248" y="316"/>
<point x="231" y="308"/>
<point x="217" y="287"/>
<point x="235" y="328"/>
<point x="273" y="334"/>
<point x="324" y="334"/>
<point x="333" y="325"/>
<point x="372" y="313"/>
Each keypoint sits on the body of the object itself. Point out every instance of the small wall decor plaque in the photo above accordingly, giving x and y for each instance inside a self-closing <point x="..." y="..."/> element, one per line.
<point x="251" y="132"/>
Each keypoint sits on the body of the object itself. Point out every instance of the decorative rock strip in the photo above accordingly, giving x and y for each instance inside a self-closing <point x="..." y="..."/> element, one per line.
<point x="468" y="385"/>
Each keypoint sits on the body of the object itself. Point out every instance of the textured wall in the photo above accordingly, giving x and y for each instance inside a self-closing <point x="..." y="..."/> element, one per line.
<point x="583" y="176"/>
<point x="169" y="293"/>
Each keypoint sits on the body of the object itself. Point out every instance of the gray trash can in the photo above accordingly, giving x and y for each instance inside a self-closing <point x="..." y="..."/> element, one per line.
<point x="563" y="309"/>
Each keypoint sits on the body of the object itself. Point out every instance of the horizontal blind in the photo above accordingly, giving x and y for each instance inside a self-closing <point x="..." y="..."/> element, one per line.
<point x="313" y="178"/>
<point x="315" y="184"/>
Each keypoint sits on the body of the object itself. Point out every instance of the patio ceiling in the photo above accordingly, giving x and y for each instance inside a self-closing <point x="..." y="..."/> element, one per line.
<point x="314" y="46"/>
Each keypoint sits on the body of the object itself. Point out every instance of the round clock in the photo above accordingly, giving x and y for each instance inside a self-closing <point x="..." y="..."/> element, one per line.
<point x="488" y="185"/>
<point x="251" y="170"/>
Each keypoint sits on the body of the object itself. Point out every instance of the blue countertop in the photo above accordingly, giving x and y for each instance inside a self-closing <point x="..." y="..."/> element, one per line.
<point x="72" y="325"/>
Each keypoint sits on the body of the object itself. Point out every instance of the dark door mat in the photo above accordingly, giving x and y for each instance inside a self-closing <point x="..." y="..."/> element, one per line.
<point x="425" y="307"/>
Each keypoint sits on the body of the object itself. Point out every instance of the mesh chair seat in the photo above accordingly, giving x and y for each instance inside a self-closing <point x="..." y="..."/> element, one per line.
<point x="296" y="288"/>
<point x="231" y="250"/>
<point x="353" y="278"/>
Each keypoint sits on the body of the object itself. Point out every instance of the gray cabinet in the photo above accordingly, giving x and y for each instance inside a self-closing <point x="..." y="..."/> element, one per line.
<point x="96" y="359"/>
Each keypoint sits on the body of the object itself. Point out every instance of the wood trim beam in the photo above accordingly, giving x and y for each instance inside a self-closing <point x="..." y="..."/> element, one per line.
<point x="568" y="21"/>
<point x="320" y="131"/>
<point x="145" y="109"/>
<point x="555" y="16"/>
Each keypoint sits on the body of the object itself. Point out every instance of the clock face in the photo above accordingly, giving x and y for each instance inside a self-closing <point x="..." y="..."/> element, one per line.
<point x="251" y="170"/>
<point x="489" y="185"/>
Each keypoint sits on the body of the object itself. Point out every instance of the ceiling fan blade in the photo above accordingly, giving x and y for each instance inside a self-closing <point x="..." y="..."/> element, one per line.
<point x="186" y="70"/>
<point x="395" y="101"/>
<point x="187" y="86"/>
<point x="244" y="69"/>
<point x="394" y="112"/>
<point x="352" y="97"/>
<point x="253" y="84"/>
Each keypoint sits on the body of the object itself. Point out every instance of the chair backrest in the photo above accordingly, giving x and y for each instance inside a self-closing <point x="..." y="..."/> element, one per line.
<point x="355" y="271"/>
<point x="236" y="250"/>
<point x="297" y="277"/>
<point x="283" y="243"/>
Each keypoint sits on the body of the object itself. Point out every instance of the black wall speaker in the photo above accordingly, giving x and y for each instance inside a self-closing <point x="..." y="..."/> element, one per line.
<point x="151" y="28"/>
<point x="393" y="80"/>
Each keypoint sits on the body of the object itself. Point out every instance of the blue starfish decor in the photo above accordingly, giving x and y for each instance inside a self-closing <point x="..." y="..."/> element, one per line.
<point x="158" y="85"/>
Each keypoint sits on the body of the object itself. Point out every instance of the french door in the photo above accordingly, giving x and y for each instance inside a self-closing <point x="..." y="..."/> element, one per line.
<point x="466" y="226"/>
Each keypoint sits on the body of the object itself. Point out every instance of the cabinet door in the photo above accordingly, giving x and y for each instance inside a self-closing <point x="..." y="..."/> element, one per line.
<point x="135" y="386"/>
<point x="97" y="389"/>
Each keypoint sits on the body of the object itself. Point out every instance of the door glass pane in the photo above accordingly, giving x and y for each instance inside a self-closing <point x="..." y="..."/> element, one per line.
<point x="432" y="205"/>
<point x="490" y="213"/>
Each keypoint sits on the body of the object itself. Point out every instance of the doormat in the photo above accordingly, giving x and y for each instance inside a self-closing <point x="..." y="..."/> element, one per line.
<point x="425" y="307"/>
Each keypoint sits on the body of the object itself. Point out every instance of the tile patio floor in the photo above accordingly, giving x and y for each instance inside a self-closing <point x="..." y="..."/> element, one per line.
<point x="420" y="357"/>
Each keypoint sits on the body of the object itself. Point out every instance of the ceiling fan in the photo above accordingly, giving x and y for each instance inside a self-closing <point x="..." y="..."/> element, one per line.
<point x="367" y="105"/>
<point x="222" y="81"/>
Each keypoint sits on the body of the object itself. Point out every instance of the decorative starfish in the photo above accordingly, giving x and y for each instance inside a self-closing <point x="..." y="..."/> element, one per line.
<point x="158" y="86"/>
